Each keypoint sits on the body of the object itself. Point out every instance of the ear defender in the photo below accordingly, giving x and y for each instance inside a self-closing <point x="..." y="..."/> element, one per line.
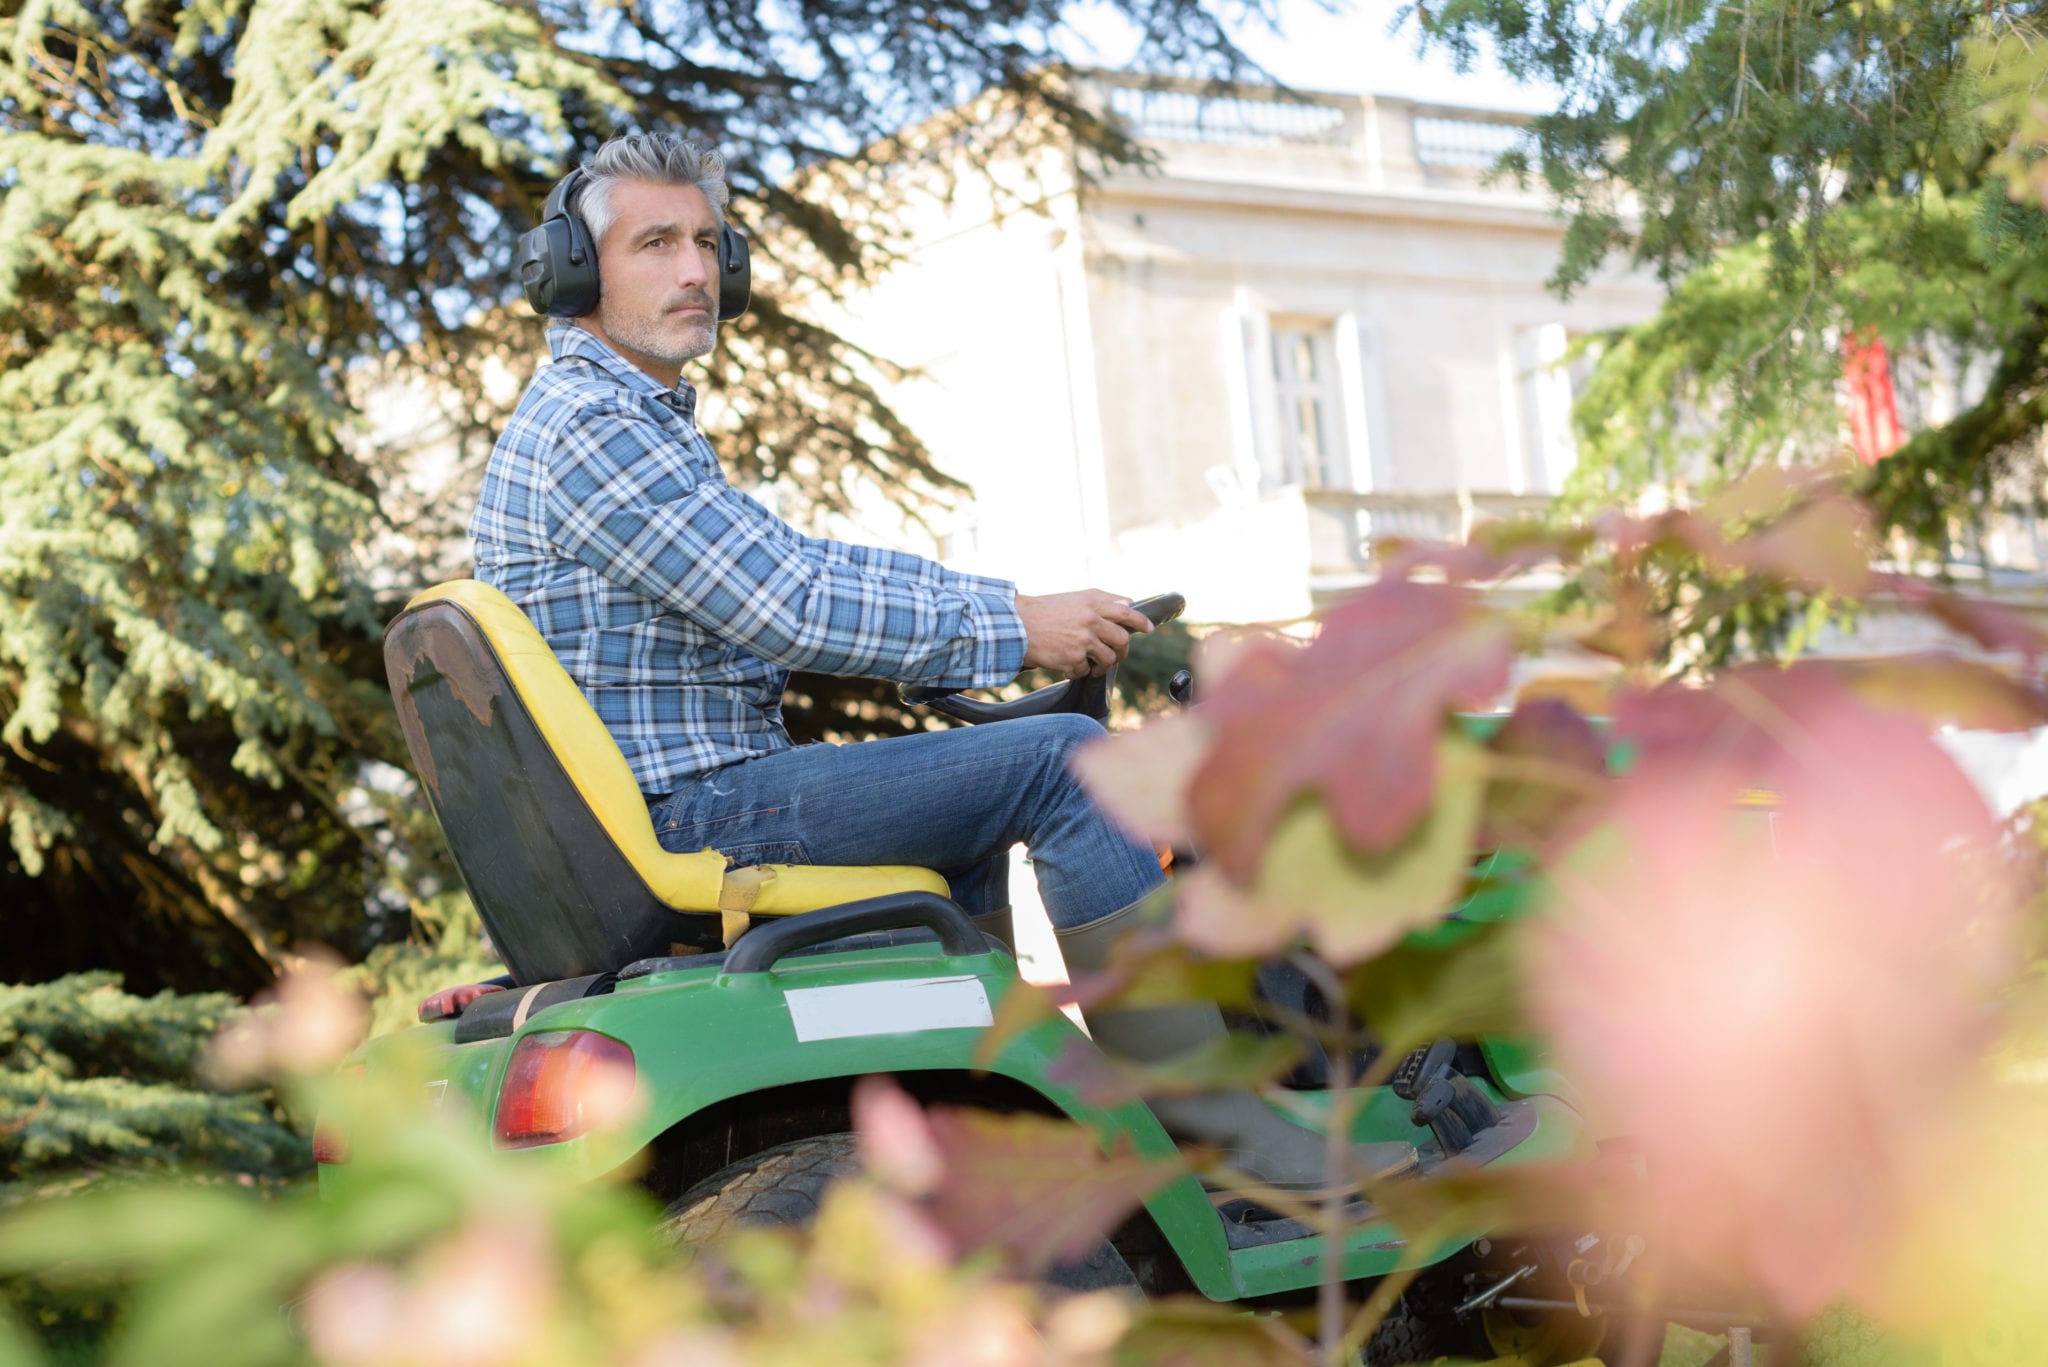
<point x="735" y="274"/>
<point x="558" y="260"/>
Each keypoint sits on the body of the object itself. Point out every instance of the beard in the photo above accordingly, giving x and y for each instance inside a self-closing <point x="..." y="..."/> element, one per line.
<point x="659" y="333"/>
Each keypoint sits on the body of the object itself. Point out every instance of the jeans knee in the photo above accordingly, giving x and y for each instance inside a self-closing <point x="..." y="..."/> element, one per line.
<point x="1069" y="731"/>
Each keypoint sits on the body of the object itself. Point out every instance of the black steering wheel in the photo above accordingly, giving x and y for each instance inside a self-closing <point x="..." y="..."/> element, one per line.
<point x="1089" y="696"/>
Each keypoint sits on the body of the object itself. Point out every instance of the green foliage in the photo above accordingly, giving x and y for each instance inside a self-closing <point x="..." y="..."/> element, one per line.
<point x="92" y="1078"/>
<point x="1797" y="174"/>
<point x="222" y="226"/>
<point x="446" y="949"/>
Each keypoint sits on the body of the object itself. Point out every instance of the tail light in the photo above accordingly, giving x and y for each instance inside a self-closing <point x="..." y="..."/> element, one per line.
<point x="562" y="1084"/>
<point x="330" y="1140"/>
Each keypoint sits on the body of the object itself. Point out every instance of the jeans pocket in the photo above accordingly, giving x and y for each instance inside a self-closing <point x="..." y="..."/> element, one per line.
<point x="765" y="852"/>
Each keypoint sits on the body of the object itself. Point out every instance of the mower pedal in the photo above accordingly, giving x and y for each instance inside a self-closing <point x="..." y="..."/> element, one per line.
<point x="1421" y="1068"/>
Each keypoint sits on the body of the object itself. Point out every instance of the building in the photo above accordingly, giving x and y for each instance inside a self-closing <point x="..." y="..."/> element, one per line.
<point x="1314" y="321"/>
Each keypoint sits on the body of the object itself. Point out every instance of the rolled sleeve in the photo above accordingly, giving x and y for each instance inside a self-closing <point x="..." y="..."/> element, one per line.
<point x="625" y="500"/>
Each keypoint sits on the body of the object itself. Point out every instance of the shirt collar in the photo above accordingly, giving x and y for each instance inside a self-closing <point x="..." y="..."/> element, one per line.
<point x="565" y="342"/>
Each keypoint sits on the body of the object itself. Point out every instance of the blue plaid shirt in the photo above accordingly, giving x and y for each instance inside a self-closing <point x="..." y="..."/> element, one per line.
<point x="677" y="603"/>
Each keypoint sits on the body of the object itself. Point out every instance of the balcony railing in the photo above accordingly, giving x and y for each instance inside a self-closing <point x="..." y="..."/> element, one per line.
<point x="1234" y="120"/>
<point x="1344" y="525"/>
<point x="1433" y="141"/>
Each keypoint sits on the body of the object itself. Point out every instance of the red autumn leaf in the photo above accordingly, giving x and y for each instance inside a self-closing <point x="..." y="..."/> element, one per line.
<point x="1737" y="723"/>
<point x="1356" y="717"/>
<point x="1035" y="1189"/>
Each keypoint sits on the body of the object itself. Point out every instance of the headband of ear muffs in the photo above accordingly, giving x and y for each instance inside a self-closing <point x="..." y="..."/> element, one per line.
<point x="558" y="261"/>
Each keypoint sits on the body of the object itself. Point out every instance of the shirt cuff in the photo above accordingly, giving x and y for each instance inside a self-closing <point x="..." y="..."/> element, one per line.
<point x="990" y="650"/>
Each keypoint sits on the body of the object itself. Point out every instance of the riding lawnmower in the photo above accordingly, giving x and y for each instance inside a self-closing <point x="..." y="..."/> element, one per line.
<point x="746" y="1002"/>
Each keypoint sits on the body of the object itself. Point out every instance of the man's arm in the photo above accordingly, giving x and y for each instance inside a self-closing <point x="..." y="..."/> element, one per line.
<point x="1074" y="633"/>
<point x="622" y="499"/>
<point x="901" y="565"/>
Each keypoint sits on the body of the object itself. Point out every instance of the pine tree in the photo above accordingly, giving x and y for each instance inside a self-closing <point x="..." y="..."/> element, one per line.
<point x="94" y="1081"/>
<point x="219" y="223"/>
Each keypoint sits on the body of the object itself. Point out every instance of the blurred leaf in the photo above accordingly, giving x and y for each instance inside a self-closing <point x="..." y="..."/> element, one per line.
<point x="1495" y="550"/>
<point x="1990" y="625"/>
<point x="1550" y="764"/>
<point x="1141" y="777"/>
<point x="1756" y="494"/>
<point x="1185" y="1332"/>
<point x="1463" y="1202"/>
<point x="1152" y="968"/>
<point x="1947" y="691"/>
<point x="1410" y="996"/>
<point x="1034" y="1188"/>
<point x="1349" y="903"/>
<point x="1236" y="1061"/>
<point x="1355" y="717"/>
<point x="1823" y="544"/>
<point x="1022" y="1006"/>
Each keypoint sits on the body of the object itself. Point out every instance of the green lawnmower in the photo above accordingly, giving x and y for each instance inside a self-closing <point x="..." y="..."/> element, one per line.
<point x="745" y="1003"/>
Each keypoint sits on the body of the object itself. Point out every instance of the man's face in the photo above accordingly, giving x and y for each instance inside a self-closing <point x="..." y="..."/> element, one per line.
<point x="658" y="273"/>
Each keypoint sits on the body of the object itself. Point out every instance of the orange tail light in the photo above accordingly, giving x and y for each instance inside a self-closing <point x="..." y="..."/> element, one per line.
<point x="562" y="1084"/>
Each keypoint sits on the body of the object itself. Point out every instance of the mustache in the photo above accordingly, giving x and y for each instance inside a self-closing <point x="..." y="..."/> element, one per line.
<point x="700" y="298"/>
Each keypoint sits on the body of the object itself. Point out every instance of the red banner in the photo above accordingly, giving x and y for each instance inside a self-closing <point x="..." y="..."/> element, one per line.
<point x="1874" y="429"/>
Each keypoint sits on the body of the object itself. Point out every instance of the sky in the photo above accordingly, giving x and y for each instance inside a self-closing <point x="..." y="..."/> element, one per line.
<point x="1350" y="51"/>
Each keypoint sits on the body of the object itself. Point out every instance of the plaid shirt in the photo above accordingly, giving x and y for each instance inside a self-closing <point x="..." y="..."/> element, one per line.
<point x="677" y="603"/>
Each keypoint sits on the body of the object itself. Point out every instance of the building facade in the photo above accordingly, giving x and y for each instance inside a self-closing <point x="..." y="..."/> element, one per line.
<point x="1312" y="322"/>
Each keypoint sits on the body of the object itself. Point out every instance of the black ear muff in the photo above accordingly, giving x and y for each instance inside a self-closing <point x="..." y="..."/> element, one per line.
<point x="557" y="260"/>
<point x="735" y="274"/>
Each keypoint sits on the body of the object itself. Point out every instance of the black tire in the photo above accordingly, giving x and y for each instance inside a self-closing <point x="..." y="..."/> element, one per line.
<point x="777" y="1188"/>
<point x="781" y="1187"/>
<point x="1416" y="1331"/>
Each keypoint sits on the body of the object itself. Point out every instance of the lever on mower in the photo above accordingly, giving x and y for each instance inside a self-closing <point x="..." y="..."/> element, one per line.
<point x="1089" y="697"/>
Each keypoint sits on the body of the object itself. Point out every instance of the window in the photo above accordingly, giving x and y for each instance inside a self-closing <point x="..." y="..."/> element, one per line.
<point x="1547" y="380"/>
<point x="1310" y="450"/>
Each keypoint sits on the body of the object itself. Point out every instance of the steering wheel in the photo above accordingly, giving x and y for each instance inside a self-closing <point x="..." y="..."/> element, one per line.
<point x="1089" y="696"/>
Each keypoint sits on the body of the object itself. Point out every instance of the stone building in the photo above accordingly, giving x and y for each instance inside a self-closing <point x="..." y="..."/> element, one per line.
<point x="1314" y="321"/>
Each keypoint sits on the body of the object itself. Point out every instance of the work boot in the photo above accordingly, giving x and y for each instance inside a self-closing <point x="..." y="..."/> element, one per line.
<point x="1258" y="1140"/>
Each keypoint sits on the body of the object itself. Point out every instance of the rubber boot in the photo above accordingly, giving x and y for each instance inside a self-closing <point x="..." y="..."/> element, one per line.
<point x="1258" y="1140"/>
<point x="999" y="925"/>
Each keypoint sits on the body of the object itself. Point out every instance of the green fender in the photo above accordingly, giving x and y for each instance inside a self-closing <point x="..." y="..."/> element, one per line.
<point x="700" y="1037"/>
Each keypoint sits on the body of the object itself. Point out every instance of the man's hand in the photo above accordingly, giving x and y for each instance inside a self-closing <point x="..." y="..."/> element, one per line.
<point x="1078" y="634"/>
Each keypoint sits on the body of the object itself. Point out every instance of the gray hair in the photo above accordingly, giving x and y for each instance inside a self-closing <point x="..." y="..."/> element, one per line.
<point x="658" y="158"/>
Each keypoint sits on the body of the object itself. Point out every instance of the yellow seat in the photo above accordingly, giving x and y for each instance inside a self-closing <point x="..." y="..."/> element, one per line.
<point x="542" y="813"/>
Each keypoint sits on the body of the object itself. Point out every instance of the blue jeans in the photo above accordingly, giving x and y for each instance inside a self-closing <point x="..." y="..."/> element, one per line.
<point x="954" y="801"/>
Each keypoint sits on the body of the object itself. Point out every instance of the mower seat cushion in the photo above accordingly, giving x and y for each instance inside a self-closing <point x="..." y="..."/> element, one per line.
<point x="694" y="882"/>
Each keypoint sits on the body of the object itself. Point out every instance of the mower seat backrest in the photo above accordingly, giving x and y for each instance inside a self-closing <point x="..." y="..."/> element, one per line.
<point x="543" y="816"/>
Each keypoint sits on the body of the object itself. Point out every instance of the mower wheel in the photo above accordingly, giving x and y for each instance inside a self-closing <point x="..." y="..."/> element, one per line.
<point x="780" y="1187"/>
<point x="1405" y="1337"/>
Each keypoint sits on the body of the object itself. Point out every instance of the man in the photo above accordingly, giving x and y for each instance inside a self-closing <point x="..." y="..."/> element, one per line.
<point x="679" y="604"/>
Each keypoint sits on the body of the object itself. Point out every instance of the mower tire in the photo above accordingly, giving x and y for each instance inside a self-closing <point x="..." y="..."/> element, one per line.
<point x="781" y="1187"/>
<point x="777" y="1188"/>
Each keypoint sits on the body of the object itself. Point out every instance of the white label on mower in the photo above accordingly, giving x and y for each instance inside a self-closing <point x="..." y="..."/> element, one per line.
<point x="892" y="1008"/>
